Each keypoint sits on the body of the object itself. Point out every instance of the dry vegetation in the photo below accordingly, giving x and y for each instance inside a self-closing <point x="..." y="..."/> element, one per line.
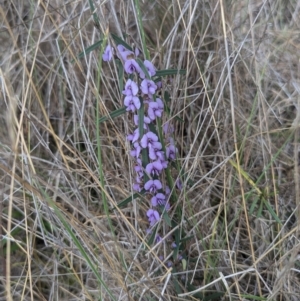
<point x="238" y="138"/>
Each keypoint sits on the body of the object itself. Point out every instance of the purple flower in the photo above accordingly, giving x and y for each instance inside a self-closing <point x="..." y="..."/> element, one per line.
<point x="158" y="239"/>
<point x="131" y="88"/>
<point x="134" y="137"/>
<point x="136" y="151"/>
<point x="148" y="140"/>
<point x="159" y="85"/>
<point x="124" y="52"/>
<point x="173" y="245"/>
<point x="150" y="68"/>
<point x="179" y="184"/>
<point x="164" y="163"/>
<point x="158" y="199"/>
<point x="171" y="151"/>
<point x="154" y="168"/>
<point x="108" y="54"/>
<point x="168" y="191"/>
<point x="131" y="66"/>
<point x="169" y="263"/>
<point x="136" y="52"/>
<point x="155" y="151"/>
<point x="137" y="187"/>
<point x="155" y="108"/>
<point x="153" y="216"/>
<point x="148" y="86"/>
<point x="153" y="186"/>
<point x="132" y="103"/>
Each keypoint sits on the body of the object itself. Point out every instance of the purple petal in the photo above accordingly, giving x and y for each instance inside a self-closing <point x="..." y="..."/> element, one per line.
<point x="131" y="66"/>
<point x="148" y="86"/>
<point x="108" y="54"/>
<point x="150" y="67"/>
<point x="124" y="52"/>
<point x="131" y="88"/>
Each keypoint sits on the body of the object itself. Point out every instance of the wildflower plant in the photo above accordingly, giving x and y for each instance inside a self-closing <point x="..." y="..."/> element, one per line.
<point x="152" y="146"/>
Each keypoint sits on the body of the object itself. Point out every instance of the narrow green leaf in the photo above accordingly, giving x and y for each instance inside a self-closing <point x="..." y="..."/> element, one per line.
<point x="95" y="17"/>
<point x="113" y="114"/>
<point x="177" y="285"/>
<point x="88" y="50"/>
<point x="119" y="41"/>
<point x="141" y="28"/>
<point x="253" y="204"/>
<point x="131" y="198"/>
<point x="272" y="212"/>
<point x="152" y="237"/>
<point x="167" y="219"/>
<point x="170" y="72"/>
<point x="260" y="210"/>
<point x="120" y="75"/>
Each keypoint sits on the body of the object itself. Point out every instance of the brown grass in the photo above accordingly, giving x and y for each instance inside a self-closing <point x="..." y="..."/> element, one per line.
<point x="238" y="144"/>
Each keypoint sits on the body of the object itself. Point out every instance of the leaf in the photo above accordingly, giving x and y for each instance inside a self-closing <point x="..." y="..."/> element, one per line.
<point x="120" y="75"/>
<point x="272" y="212"/>
<point x="170" y="72"/>
<point x="88" y="50"/>
<point x="113" y="114"/>
<point x="119" y="41"/>
<point x="131" y="198"/>
<point x="167" y="219"/>
<point x="152" y="237"/>
<point x="95" y="17"/>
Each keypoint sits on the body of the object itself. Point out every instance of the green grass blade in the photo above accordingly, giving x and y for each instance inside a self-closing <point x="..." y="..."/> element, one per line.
<point x="119" y="41"/>
<point x="95" y="16"/>
<point x="170" y="72"/>
<point x="113" y="114"/>
<point x="89" y="50"/>
<point x="141" y="28"/>
<point x="120" y="75"/>
<point x="123" y="203"/>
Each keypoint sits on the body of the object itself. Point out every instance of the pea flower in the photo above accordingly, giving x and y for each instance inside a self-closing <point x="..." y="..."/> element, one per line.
<point x="131" y="66"/>
<point x="153" y="216"/>
<point x="171" y="151"/>
<point x="158" y="199"/>
<point x="149" y="139"/>
<point x="136" y="151"/>
<point x="154" y="168"/>
<point x="131" y="88"/>
<point x="108" y="54"/>
<point x="155" y="151"/>
<point x="153" y="185"/>
<point x="158" y="239"/>
<point x="150" y="68"/>
<point x="155" y="109"/>
<point x="148" y="86"/>
<point x="134" y="137"/>
<point x="124" y="52"/>
<point x="132" y="103"/>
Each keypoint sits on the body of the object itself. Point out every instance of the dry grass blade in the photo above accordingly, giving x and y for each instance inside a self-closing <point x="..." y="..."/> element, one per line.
<point x="231" y="88"/>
